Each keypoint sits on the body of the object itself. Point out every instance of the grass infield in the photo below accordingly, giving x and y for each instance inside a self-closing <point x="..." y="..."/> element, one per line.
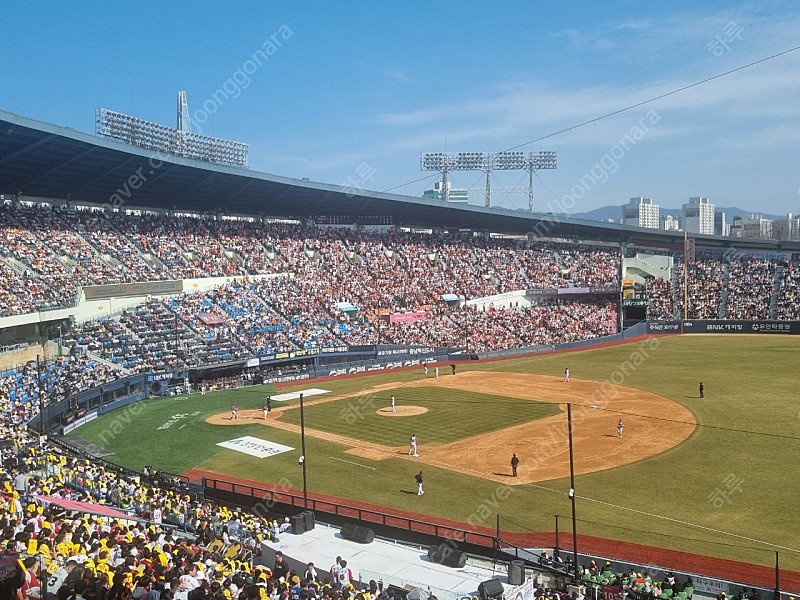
<point x="728" y="491"/>
<point x="452" y="415"/>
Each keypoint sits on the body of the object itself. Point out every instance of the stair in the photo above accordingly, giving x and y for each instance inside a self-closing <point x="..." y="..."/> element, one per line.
<point x="97" y="358"/>
<point x="777" y="284"/>
<point x="15" y="265"/>
<point x="154" y="262"/>
<point x="723" y="293"/>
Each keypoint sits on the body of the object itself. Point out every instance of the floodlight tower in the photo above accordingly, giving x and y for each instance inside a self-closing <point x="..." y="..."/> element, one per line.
<point x="441" y="162"/>
<point x="538" y="160"/>
<point x="184" y="124"/>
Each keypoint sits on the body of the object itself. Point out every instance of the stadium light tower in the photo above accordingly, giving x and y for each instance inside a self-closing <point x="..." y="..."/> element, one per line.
<point x="538" y="160"/>
<point x="184" y="124"/>
<point x="445" y="163"/>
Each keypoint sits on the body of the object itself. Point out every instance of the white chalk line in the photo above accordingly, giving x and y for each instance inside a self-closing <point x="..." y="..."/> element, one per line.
<point x="350" y="462"/>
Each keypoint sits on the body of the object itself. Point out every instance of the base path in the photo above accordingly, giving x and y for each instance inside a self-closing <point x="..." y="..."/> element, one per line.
<point x="653" y="424"/>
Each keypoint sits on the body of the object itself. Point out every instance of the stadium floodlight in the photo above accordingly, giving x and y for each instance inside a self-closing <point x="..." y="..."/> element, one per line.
<point x="543" y="160"/>
<point x="512" y="160"/>
<point x="547" y="159"/>
<point x="160" y="138"/>
<point x="508" y="161"/>
<point x="470" y="161"/>
<point x="436" y="161"/>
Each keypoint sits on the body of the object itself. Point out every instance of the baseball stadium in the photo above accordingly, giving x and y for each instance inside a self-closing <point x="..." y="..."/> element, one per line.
<point x="508" y="396"/>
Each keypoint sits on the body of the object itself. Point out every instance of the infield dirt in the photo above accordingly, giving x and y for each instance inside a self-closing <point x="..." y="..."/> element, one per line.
<point x="653" y="425"/>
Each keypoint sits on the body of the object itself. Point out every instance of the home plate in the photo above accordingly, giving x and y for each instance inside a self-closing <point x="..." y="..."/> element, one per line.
<point x="296" y="395"/>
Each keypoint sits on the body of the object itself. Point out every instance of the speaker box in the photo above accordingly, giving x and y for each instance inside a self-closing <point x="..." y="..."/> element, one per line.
<point x="516" y="572"/>
<point x="356" y="533"/>
<point x="397" y="593"/>
<point x="491" y="589"/>
<point x="298" y="524"/>
<point x="453" y="558"/>
<point x="310" y="521"/>
<point x="435" y="553"/>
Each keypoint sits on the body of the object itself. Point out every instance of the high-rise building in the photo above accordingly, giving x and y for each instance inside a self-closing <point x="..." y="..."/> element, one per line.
<point x="642" y="212"/>
<point x="454" y="195"/>
<point x="786" y="229"/>
<point x="671" y="223"/>
<point x="756" y="226"/>
<point x="721" y="226"/>
<point x="698" y="216"/>
<point x="736" y="227"/>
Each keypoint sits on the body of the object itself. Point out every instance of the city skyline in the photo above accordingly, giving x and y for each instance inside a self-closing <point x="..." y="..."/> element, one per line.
<point x="358" y="92"/>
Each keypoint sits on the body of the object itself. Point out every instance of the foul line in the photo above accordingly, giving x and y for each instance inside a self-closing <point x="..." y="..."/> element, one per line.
<point x="687" y="523"/>
<point x="349" y="462"/>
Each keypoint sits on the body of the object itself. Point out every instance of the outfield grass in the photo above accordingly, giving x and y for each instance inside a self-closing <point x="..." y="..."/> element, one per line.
<point x="749" y="428"/>
<point x="444" y="422"/>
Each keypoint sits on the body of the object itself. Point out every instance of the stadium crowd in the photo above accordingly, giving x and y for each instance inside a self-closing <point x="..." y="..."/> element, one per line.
<point x="58" y="249"/>
<point x="163" y="542"/>
<point x="46" y="253"/>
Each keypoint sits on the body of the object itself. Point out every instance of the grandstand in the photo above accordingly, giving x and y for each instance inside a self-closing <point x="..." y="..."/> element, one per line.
<point x="145" y="294"/>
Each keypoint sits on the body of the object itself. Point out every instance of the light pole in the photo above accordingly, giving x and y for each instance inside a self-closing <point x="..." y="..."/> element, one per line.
<point x="572" y="495"/>
<point x="303" y="452"/>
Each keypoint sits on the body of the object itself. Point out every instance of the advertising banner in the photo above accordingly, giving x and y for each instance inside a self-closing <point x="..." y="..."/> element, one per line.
<point x="408" y="317"/>
<point x="121" y="290"/>
<point x="706" y="326"/>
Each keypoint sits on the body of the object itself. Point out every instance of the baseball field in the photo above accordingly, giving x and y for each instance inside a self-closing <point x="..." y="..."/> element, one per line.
<point x="711" y="476"/>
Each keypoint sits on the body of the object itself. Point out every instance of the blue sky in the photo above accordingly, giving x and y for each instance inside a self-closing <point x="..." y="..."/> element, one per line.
<point x="357" y="90"/>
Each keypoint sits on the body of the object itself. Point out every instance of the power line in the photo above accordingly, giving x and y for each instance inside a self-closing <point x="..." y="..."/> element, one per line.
<point x="630" y="107"/>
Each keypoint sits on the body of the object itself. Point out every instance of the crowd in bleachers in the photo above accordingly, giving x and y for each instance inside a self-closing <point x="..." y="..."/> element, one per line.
<point x="193" y="550"/>
<point x="60" y="249"/>
<point x="661" y="306"/>
<point x="705" y="285"/>
<point x="789" y="298"/>
<point x="750" y="288"/>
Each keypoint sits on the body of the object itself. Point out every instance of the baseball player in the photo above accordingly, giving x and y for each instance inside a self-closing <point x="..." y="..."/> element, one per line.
<point x="566" y="375"/>
<point x="620" y="427"/>
<point x="234" y="412"/>
<point x="393" y="403"/>
<point x="426" y="370"/>
<point x="436" y="372"/>
<point x="418" y="479"/>
<point x="265" y="408"/>
<point x="412" y="446"/>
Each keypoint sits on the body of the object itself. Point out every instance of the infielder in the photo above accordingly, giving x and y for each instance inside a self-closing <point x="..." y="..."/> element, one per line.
<point x="265" y="408"/>
<point x="436" y="372"/>
<point x="393" y="403"/>
<point x="412" y="446"/>
<point x="566" y="375"/>
<point x="620" y="427"/>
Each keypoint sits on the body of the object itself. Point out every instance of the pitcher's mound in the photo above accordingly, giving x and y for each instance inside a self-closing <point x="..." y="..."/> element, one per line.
<point x="402" y="411"/>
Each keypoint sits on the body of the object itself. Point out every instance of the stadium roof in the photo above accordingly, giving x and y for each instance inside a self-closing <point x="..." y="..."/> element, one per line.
<point x="42" y="160"/>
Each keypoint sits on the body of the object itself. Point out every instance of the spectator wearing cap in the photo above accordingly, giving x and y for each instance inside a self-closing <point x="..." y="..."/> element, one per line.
<point x="285" y="526"/>
<point x="12" y="576"/>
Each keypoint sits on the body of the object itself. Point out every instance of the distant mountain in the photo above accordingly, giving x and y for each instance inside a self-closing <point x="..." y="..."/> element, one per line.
<point x="614" y="213"/>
